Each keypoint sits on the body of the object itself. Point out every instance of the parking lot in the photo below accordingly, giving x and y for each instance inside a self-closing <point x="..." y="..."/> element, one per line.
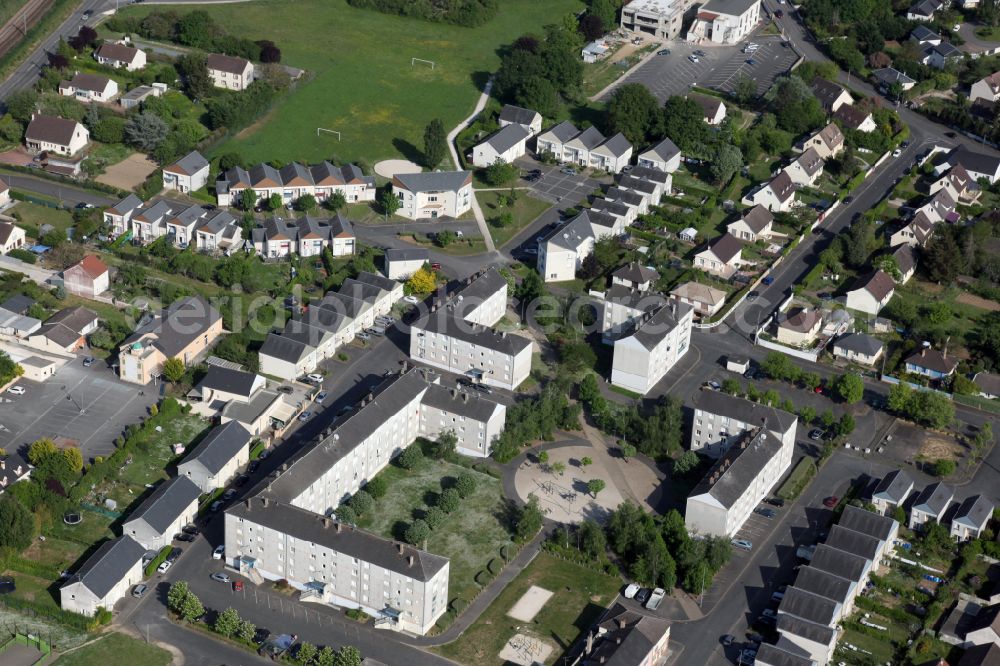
<point x="558" y="187"/>
<point x="719" y="68"/>
<point x="88" y="405"/>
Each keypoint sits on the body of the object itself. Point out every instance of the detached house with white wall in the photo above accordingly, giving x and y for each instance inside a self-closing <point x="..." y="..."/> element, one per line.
<point x="828" y="142"/>
<point x="188" y="174"/>
<point x="722" y="257"/>
<point x="52" y="134"/>
<point x="506" y="145"/>
<point x="664" y="156"/>
<point x="120" y="56"/>
<point x="516" y="115"/>
<point x="778" y="195"/>
<point x="806" y="168"/>
<point x="105" y="577"/>
<point x="987" y="88"/>
<point x="433" y="194"/>
<point x="229" y="72"/>
<point x="754" y="225"/>
<point x="872" y="293"/>
<point x="88" y="88"/>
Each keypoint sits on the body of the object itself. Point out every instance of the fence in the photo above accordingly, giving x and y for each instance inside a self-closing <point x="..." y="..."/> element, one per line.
<point x="28" y="640"/>
<point x="805" y="355"/>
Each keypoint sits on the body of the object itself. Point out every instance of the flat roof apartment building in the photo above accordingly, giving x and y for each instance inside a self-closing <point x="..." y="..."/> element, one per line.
<point x="660" y="18"/>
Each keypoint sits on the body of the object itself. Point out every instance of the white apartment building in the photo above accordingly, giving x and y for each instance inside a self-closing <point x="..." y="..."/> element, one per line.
<point x="623" y="308"/>
<point x="284" y="532"/>
<point x="662" y="19"/>
<point x="218" y="457"/>
<point x="725" y="21"/>
<point x="719" y="420"/>
<point x="482" y="299"/>
<point x="563" y="250"/>
<point x="433" y="194"/>
<point x="643" y="358"/>
<point x="229" y="72"/>
<point x="105" y="578"/>
<point x="306" y="236"/>
<point x="737" y="483"/>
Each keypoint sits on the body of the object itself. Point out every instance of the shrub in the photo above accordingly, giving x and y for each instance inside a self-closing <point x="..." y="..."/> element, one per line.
<point x="23" y="255"/>
<point x="494" y="566"/>
<point x="465" y="485"/>
<point x="410" y="457"/>
<point x="458" y="604"/>
<point x="434" y="517"/>
<point x="417" y="532"/>
<point x="362" y="502"/>
<point x="449" y="500"/>
<point x="377" y="487"/>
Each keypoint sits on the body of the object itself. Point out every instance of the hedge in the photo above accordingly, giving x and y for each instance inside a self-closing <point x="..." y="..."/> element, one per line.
<point x="23" y="255"/>
<point x="157" y="561"/>
<point x="61" y="616"/>
<point x="81" y="185"/>
<point x="30" y="567"/>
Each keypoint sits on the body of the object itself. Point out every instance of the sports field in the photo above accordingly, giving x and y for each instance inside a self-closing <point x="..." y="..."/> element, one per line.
<point x="361" y="81"/>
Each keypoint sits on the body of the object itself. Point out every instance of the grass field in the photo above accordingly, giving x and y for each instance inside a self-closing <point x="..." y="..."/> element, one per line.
<point x="525" y="210"/>
<point x="470" y="537"/>
<point x="580" y="595"/>
<point x="33" y="589"/>
<point x="34" y="215"/>
<point x="361" y="82"/>
<point x="116" y="648"/>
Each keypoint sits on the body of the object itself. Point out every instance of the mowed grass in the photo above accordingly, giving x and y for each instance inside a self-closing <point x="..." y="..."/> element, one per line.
<point x="580" y="595"/>
<point x="360" y="80"/>
<point x="32" y="589"/>
<point x="525" y="210"/>
<point x="470" y="537"/>
<point x="33" y="216"/>
<point x="116" y="648"/>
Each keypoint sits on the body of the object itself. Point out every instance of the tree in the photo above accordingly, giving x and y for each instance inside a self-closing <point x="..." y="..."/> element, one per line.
<point x="434" y="517"/>
<point x="230" y="160"/>
<point x="346" y="514"/>
<point x="173" y="369"/>
<point x="940" y="258"/>
<point x="794" y="105"/>
<point x="21" y="104"/>
<point x="445" y="238"/>
<point x="40" y="450"/>
<point x="590" y="27"/>
<point x="543" y="457"/>
<point x="109" y="130"/>
<point x="780" y="367"/>
<point x="377" y="487"/>
<point x="846" y="425"/>
<point x="500" y="173"/>
<point x="687" y="462"/>
<point x="348" y="655"/>
<point x="810" y="380"/>
<point x="731" y="386"/>
<point x="595" y="486"/>
<point x="361" y="502"/>
<point x="531" y="288"/>
<point x="192" y="608"/>
<point x="746" y="89"/>
<point x="684" y="123"/>
<point x="305" y="203"/>
<point x="558" y="467"/>
<point x="633" y="111"/>
<point x="246" y="631"/>
<point x="176" y="596"/>
<point x="84" y="39"/>
<point x="274" y="202"/>
<point x="306" y="653"/>
<point x="17" y="526"/>
<point x="465" y="485"/>
<point x="388" y="201"/>
<point x="417" y="532"/>
<point x="444" y="445"/>
<point x="336" y="201"/>
<point x="146" y="131"/>
<point x="726" y="162"/>
<point x="410" y="457"/>
<point x="529" y="520"/>
<point x="227" y="622"/>
<point x="858" y="242"/>
<point x="421" y="282"/>
<point x="248" y="199"/>
<point x="435" y="144"/>
<point x="807" y="414"/>
<point x="194" y="72"/>
<point x="592" y="539"/>
<point x="850" y="388"/>
<point x="944" y="467"/>
<point x="269" y="52"/>
<point x="10" y="129"/>
<point x="628" y="451"/>
<point x="577" y="356"/>
<point x="74" y="459"/>
<point x="888" y="265"/>
<point x="606" y="11"/>
<point x="449" y="500"/>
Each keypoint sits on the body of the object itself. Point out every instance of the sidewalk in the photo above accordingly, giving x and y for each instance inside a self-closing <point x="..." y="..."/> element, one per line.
<point x="476" y="210"/>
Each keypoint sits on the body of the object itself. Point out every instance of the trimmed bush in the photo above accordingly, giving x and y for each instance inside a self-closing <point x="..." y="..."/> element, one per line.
<point x="465" y="485"/>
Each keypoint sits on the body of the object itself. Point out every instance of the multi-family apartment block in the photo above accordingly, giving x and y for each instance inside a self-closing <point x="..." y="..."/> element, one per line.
<point x="660" y="339"/>
<point x="183" y="224"/>
<point x="285" y="530"/>
<point x="433" y="194"/>
<point x="306" y="236"/>
<point x="720" y="418"/>
<point x="293" y="181"/>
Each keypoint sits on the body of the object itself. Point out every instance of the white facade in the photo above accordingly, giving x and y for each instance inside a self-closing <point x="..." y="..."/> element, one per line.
<point x="719" y="420"/>
<point x="187" y="175"/>
<point x="506" y="145"/>
<point x="168" y="509"/>
<point x="104" y="579"/>
<point x="725" y="21"/>
<point x="661" y="19"/>
<point x="230" y="72"/>
<point x="642" y="359"/>
<point x="51" y="134"/>
<point x="433" y="195"/>
<point x="494" y="358"/>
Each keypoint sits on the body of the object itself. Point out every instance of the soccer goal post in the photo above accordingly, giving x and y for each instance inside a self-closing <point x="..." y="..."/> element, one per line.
<point x="414" y="61"/>
<point x="328" y="131"/>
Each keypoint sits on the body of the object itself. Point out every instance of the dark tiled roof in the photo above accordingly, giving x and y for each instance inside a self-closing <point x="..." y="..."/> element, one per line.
<point x="723" y="404"/>
<point x="515" y="114"/>
<point x="772" y="655"/>
<point x="860" y="343"/>
<point x="932" y="359"/>
<point x="118" y="52"/>
<point x="974" y="511"/>
<point x="636" y="272"/>
<point x="981" y="655"/>
<point x="625" y="637"/>
<point x="845" y="565"/>
<point x="91" y="82"/>
<point x="407" y="255"/>
<point x="507" y="137"/>
<point x="986" y="381"/>
<point x="826" y="91"/>
<point x="470" y="405"/>
<point x="189" y="165"/>
<point x="179" y="325"/>
<point x="51" y="129"/>
<point x="230" y="381"/>
<point x="220" y="446"/>
<point x="731" y="475"/>
<point x="894" y="487"/>
<point x="166" y="503"/>
<point x="225" y="63"/>
<point x="664" y="150"/>
<point x="654" y="328"/>
<point x="850" y="541"/>
<point x="444" y="322"/>
<point x="808" y="606"/>
<point x="108" y="565"/>
<point x="726" y="247"/>
<point x="934" y="499"/>
<point x="757" y="218"/>
<point x="285" y="348"/>
<point x="433" y="181"/>
<point x="824" y="584"/>
<point x="796" y="626"/>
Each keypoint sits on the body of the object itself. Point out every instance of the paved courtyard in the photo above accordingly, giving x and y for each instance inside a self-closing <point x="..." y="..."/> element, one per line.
<point x="89" y="405"/>
<point x="555" y="186"/>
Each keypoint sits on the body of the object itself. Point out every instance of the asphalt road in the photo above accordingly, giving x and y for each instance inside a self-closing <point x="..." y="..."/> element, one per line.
<point x="66" y="194"/>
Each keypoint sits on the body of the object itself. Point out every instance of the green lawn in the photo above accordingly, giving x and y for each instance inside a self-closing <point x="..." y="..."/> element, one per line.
<point x="33" y="589"/>
<point x="33" y="216"/>
<point x="988" y="33"/>
<point x="360" y="81"/>
<point x="580" y="595"/>
<point x="599" y="75"/>
<point x="469" y="537"/>
<point x="526" y="209"/>
<point x="116" y="648"/>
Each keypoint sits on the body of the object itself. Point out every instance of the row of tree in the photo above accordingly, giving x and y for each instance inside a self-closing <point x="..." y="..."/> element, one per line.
<point x="196" y="29"/>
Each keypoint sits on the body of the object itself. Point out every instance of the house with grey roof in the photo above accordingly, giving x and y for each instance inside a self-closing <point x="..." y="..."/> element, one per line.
<point x="229" y="72"/>
<point x="293" y="181"/>
<point x="623" y="308"/>
<point x="932" y="363"/>
<point x="285" y="357"/>
<point x="635" y="276"/>
<point x="87" y="88"/>
<point x="831" y="95"/>
<point x="970" y="519"/>
<point x="612" y="155"/>
<point x="433" y="194"/>
<point x="664" y="156"/>
<point x="105" y="578"/>
<point x="481" y="298"/>
<point x="171" y="506"/>
<point x="892" y="491"/>
<point x="119" y="55"/>
<point x="826" y="585"/>
<point x="871" y="293"/>
<point x="219" y="232"/>
<point x="930" y="505"/>
<point x="400" y="264"/>
<point x="586" y="148"/>
<point x="217" y="458"/>
<point x="752" y="225"/>
<point x="797" y="636"/>
<point x="52" y="134"/>
<point x="773" y="655"/>
<point x="188" y="174"/>
<point x="562" y="250"/>
<point x="65" y="331"/>
<point x="660" y="339"/>
<point x="810" y="607"/>
<point x="988" y="384"/>
<point x="736" y="484"/>
<point x="505" y="145"/>
<point x="858" y="348"/>
<point x="516" y="115"/>
<point x="806" y="168"/>
<point x="721" y="257"/>
<point x="624" y="636"/>
<point x="857" y="543"/>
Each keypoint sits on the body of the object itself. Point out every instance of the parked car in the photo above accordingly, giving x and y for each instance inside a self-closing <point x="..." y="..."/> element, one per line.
<point x="288" y="390"/>
<point x="229" y="494"/>
<point x="897" y="152"/>
<point x="252" y="467"/>
<point x="216" y="505"/>
<point x="264" y="454"/>
<point x="184" y="537"/>
<point x="767" y="513"/>
<point x="305" y="416"/>
<point x="768" y="281"/>
<point x="778" y="13"/>
<point x="190" y="529"/>
<point x="727" y="639"/>
<point x="831" y="501"/>
<point x="16" y="390"/>
<point x="219" y="551"/>
<point x="693" y="58"/>
<point x="411" y="299"/>
<point x="164" y="566"/>
<point x="237" y="586"/>
<point x="569" y="171"/>
<point x="364" y="336"/>
<point x="88" y="361"/>
<point x="630" y="591"/>
<point x="663" y="52"/>
<point x="775" y="501"/>
<point x="714" y="385"/>
<point x="139" y="590"/>
<point x="321" y="396"/>
<point x="221" y="577"/>
<point x="315" y="378"/>
<point x="816" y="434"/>
<point x="742" y="544"/>
<point x="656" y="598"/>
<point x="642" y="595"/>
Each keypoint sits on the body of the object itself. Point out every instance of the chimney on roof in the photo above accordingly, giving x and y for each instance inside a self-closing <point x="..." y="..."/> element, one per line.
<point x="465" y="398"/>
<point x="410" y="560"/>
<point x="400" y="547"/>
<point x="247" y="502"/>
<point x="621" y="623"/>
<point x="454" y="393"/>
<point x="263" y="501"/>
<point x="326" y="521"/>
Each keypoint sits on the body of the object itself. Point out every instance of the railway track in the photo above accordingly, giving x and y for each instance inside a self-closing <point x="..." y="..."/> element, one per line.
<point x="13" y="31"/>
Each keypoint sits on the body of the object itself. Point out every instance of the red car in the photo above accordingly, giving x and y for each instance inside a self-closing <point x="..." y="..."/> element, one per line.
<point x="831" y="501"/>
<point x="818" y="389"/>
<point x="237" y="586"/>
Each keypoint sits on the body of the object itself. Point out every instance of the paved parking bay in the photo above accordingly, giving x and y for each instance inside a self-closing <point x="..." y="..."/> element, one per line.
<point x="555" y="186"/>
<point x="771" y="60"/>
<point x="719" y="68"/>
<point x="89" y="405"/>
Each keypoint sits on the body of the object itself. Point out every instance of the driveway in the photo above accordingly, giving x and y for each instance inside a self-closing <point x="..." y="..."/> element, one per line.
<point x="555" y="186"/>
<point x="771" y="60"/>
<point x="89" y="405"/>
